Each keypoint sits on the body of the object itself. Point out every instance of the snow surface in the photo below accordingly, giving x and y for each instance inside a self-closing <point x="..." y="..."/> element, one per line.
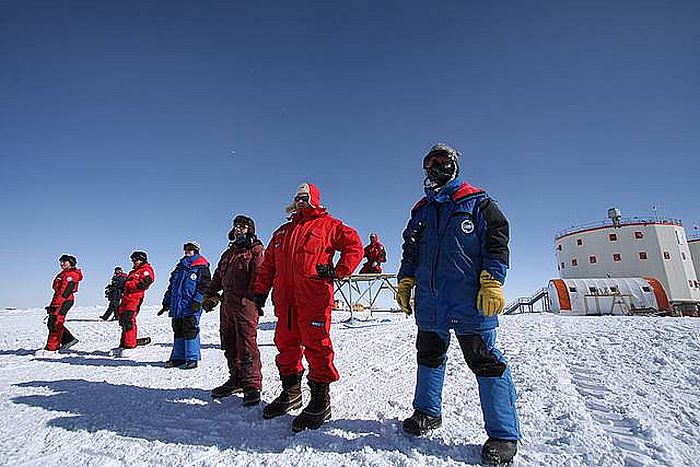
<point x="591" y="391"/>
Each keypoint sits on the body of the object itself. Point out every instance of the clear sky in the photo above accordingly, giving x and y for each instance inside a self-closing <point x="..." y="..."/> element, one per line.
<point x="141" y="124"/>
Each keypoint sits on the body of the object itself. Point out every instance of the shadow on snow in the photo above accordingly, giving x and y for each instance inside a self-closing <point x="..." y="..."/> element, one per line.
<point x="189" y="416"/>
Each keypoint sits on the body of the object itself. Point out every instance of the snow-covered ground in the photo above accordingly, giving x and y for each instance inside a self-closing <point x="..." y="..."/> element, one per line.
<point x="591" y="391"/>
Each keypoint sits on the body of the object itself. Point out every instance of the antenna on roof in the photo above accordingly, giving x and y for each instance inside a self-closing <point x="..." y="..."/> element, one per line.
<point x="615" y="215"/>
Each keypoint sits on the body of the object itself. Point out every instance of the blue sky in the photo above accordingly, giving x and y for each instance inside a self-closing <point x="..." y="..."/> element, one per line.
<point x="137" y="124"/>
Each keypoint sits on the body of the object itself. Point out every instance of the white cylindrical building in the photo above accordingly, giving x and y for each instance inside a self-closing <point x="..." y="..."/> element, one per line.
<point x="694" y="247"/>
<point x="649" y="248"/>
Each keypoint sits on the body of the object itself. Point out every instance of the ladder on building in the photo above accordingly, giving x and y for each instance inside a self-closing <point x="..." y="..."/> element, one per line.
<point x="527" y="304"/>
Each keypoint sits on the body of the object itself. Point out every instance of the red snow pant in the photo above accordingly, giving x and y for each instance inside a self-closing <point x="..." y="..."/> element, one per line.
<point x="239" y="340"/>
<point x="58" y="333"/>
<point x="302" y="332"/>
<point x="127" y="321"/>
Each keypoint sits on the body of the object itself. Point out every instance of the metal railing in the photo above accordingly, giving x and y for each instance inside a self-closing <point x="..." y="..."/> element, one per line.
<point x="624" y="221"/>
<point x="527" y="304"/>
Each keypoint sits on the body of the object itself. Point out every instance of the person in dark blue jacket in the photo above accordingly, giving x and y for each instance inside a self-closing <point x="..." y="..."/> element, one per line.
<point x="183" y="300"/>
<point x="455" y="253"/>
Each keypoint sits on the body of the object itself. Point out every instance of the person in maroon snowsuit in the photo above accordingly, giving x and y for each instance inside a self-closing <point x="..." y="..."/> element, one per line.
<point x="298" y="267"/>
<point x="234" y="275"/>
<point x="65" y="285"/>
<point x="137" y="282"/>
<point x="375" y="254"/>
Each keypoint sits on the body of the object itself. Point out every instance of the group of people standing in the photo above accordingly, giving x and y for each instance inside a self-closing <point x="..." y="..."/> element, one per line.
<point x="454" y="254"/>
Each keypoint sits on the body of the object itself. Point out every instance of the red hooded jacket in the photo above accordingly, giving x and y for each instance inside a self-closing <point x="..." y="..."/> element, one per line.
<point x="137" y="282"/>
<point x="289" y="266"/>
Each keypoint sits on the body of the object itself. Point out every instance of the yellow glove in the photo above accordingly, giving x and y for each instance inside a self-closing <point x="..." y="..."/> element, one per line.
<point x="403" y="294"/>
<point x="490" y="298"/>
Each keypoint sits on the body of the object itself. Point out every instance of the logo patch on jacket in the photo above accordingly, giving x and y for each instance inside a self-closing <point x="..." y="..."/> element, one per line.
<point x="467" y="226"/>
<point x="193" y="276"/>
<point x="317" y="324"/>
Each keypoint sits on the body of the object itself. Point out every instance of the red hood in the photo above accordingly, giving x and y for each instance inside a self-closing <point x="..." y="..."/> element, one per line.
<point x="314" y="198"/>
<point x="78" y="273"/>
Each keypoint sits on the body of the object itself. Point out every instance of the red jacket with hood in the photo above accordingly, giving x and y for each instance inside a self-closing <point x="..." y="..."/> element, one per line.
<point x="310" y="238"/>
<point x="64" y="286"/>
<point x="137" y="282"/>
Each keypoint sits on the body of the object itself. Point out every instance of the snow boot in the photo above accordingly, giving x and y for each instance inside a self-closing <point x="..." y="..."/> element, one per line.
<point x="318" y="410"/>
<point x="289" y="399"/>
<point x="251" y="396"/>
<point x="189" y="365"/>
<point x="498" y="451"/>
<point x="232" y="386"/>
<point x="420" y="423"/>
<point x="174" y="363"/>
<point x="143" y="341"/>
<point x="64" y="347"/>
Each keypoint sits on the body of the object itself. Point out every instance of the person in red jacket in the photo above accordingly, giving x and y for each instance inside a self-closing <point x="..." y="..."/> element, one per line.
<point x="137" y="282"/>
<point x="375" y="254"/>
<point x="234" y="276"/>
<point x="65" y="285"/>
<point x="298" y="266"/>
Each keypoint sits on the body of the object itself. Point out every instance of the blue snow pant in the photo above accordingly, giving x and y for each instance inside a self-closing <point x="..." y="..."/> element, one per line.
<point x="496" y="388"/>
<point x="186" y="344"/>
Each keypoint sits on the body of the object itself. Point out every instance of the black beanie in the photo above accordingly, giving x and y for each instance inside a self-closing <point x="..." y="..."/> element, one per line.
<point x="71" y="259"/>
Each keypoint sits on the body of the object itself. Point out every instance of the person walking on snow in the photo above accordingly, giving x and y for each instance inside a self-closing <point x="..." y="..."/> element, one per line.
<point x="298" y="266"/>
<point x="375" y="254"/>
<point x="455" y="253"/>
<point x="114" y="292"/>
<point x="137" y="282"/>
<point x="234" y="275"/>
<point x="183" y="302"/>
<point x="65" y="285"/>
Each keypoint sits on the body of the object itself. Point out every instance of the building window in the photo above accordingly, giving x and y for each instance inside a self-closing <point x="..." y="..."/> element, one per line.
<point x="559" y="247"/>
<point x="592" y="290"/>
<point x="579" y="242"/>
<point x="683" y="255"/>
<point x="638" y="234"/>
<point x="562" y="264"/>
<point x="572" y="289"/>
<point x="617" y="257"/>
<point x="592" y="259"/>
<point x="614" y="289"/>
<point x="690" y="284"/>
<point x="697" y="285"/>
<point x="574" y="262"/>
<point x="646" y="289"/>
<point x="667" y="255"/>
<point x="612" y="237"/>
<point x="642" y="255"/>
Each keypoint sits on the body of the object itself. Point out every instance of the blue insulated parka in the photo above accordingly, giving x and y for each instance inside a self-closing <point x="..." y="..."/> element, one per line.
<point x="451" y="237"/>
<point x="188" y="282"/>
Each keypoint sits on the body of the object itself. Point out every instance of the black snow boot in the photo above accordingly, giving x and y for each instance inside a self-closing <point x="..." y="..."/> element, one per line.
<point x="420" y="423"/>
<point x="498" y="451"/>
<point x="318" y="410"/>
<point x="189" y="365"/>
<point x="289" y="399"/>
<point x="143" y="341"/>
<point x="232" y="386"/>
<point x="251" y="396"/>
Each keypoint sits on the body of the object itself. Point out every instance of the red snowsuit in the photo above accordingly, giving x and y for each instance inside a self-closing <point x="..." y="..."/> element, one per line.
<point x="234" y="275"/>
<point x="137" y="282"/>
<point x="375" y="254"/>
<point x="64" y="286"/>
<point x="303" y="302"/>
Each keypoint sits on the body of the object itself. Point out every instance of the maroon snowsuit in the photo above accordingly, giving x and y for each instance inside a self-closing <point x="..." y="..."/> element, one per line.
<point x="235" y="275"/>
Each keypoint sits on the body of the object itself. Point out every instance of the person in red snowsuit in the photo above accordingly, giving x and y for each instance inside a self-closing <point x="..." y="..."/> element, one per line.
<point x="298" y="267"/>
<point x="137" y="282"/>
<point x="234" y="275"/>
<point x="375" y="254"/>
<point x="65" y="285"/>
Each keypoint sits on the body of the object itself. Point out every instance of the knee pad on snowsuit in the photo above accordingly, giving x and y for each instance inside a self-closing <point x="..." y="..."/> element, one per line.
<point x="480" y="359"/>
<point x="185" y="328"/>
<point x="431" y="349"/>
<point x="51" y="323"/>
<point x="65" y="306"/>
<point x="126" y="321"/>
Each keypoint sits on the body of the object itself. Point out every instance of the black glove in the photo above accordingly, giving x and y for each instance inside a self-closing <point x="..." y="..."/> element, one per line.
<point x="210" y="301"/>
<point x="144" y="283"/>
<point x="195" y="306"/>
<point x="260" y="299"/>
<point x="326" y="271"/>
<point x="50" y="309"/>
<point x="164" y="309"/>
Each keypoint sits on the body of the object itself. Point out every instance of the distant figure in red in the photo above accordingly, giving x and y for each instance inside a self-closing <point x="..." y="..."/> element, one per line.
<point x="375" y="254"/>
<point x="138" y="281"/>
<point x="64" y="286"/>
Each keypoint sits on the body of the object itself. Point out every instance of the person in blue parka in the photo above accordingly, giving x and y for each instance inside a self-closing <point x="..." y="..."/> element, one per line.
<point x="183" y="300"/>
<point x="455" y="254"/>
